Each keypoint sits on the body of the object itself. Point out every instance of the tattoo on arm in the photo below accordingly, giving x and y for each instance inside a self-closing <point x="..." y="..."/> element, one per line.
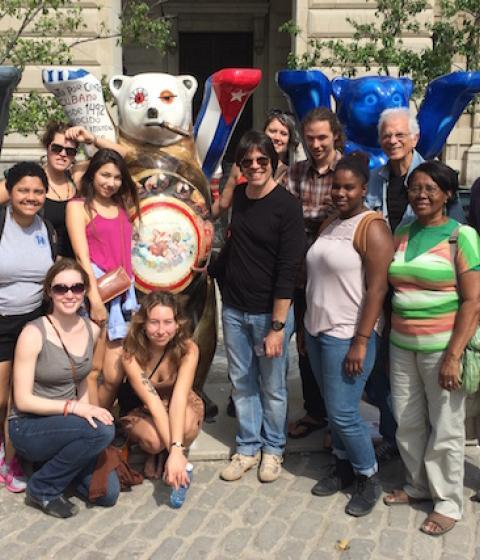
<point x="148" y="384"/>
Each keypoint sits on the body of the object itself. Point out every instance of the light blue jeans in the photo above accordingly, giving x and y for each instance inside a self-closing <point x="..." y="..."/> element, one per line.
<point x="259" y="383"/>
<point x="342" y="394"/>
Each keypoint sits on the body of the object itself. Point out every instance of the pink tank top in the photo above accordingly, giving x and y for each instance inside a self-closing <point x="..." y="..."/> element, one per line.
<point x="110" y="242"/>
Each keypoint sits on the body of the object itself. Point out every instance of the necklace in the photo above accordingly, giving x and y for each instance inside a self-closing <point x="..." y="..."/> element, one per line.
<point x="60" y="198"/>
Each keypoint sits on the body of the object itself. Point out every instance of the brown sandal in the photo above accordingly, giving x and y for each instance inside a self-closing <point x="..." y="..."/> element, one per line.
<point x="442" y="524"/>
<point x="398" y="498"/>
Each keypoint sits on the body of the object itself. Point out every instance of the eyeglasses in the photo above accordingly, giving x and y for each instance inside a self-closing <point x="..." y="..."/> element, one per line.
<point x="398" y="135"/>
<point x="262" y="161"/>
<point x="58" y="149"/>
<point x="429" y="189"/>
<point x="62" y="289"/>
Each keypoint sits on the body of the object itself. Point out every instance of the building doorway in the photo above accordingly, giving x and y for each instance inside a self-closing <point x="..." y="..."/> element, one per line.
<point x="202" y="54"/>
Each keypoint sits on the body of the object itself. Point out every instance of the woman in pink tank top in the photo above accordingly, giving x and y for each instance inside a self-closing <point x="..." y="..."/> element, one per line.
<point x="101" y="234"/>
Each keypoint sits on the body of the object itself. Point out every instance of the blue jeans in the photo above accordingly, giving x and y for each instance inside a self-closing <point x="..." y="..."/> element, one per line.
<point x="342" y="394"/>
<point x="68" y="447"/>
<point x="259" y="383"/>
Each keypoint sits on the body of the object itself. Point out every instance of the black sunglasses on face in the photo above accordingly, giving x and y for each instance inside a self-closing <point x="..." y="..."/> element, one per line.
<point x="58" y="149"/>
<point x="248" y="162"/>
<point x="62" y="289"/>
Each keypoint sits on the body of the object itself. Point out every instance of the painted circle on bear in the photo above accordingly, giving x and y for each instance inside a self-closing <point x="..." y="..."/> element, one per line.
<point x="166" y="244"/>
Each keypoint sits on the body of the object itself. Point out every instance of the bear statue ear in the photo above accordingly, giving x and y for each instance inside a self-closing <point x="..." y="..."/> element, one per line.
<point x="190" y="84"/>
<point x="407" y="85"/>
<point x="116" y="83"/>
<point x="337" y="86"/>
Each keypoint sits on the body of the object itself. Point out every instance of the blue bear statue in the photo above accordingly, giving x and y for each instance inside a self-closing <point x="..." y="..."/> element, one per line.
<point x="360" y="102"/>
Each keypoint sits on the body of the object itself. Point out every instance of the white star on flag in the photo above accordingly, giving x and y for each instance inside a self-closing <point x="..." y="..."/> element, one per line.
<point x="237" y="95"/>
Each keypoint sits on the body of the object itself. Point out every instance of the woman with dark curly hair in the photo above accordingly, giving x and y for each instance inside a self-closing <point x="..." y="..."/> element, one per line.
<point x="160" y="360"/>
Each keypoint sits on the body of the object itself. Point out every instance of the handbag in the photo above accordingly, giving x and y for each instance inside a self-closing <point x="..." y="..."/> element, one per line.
<point x="116" y="282"/>
<point x="470" y="362"/>
<point x="113" y="284"/>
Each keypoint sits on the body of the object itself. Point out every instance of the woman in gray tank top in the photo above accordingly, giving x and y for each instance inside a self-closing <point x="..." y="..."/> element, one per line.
<point x="53" y="422"/>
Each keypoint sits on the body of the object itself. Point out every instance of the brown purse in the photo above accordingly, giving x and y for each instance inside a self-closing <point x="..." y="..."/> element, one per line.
<point x="113" y="284"/>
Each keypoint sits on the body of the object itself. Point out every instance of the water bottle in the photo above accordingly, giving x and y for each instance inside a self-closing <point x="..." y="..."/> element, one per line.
<point x="177" y="497"/>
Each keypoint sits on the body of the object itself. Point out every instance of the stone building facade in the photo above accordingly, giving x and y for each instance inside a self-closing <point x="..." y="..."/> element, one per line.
<point x="210" y="34"/>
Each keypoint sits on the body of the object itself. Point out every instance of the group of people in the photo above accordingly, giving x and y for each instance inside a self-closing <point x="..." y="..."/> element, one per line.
<point x="375" y="272"/>
<point x="57" y="333"/>
<point x="385" y="280"/>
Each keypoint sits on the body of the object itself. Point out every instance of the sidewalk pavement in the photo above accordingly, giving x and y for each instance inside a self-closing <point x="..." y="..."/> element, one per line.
<point x="245" y="519"/>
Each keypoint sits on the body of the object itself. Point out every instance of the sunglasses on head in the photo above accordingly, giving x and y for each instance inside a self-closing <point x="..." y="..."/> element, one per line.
<point x="262" y="161"/>
<point x="58" y="149"/>
<point x="278" y="112"/>
<point x="62" y="289"/>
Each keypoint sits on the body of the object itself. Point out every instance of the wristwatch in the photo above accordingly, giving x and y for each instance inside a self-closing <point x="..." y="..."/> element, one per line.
<point x="277" y="326"/>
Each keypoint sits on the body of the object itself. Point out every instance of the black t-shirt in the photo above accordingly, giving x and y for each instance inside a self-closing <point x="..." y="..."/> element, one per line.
<point x="397" y="200"/>
<point x="265" y="246"/>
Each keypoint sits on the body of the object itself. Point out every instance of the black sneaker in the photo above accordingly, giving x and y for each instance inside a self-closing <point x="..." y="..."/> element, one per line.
<point x="58" y="507"/>
<point x="339" y="476"/>
<point x="386" y="451"/>
<point x="365" y="496"/>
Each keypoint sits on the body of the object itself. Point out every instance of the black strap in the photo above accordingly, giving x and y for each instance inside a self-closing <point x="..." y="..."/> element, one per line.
<point x="158" y="364"/>
<point x="70" y="359"/>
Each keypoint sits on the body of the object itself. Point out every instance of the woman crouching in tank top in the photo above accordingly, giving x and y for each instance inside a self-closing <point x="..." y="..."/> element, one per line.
<point x="52" y="421"/>
<point x="101" y="234"/>
<point x="160" y="360"/>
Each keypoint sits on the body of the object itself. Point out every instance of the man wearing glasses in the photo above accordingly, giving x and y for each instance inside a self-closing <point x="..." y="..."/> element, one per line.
<point x="256" y="270"/>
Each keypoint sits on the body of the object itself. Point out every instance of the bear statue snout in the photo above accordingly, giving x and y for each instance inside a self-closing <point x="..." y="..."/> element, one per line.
<point x="152" y="113"/>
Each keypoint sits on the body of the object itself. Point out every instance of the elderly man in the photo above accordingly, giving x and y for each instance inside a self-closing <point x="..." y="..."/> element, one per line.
<point x="387" y="192"/>
<point x="398" y="132"/>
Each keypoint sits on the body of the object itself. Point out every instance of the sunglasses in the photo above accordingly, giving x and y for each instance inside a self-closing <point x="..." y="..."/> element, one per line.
<point x="278" y="112"/>
<point x="62" y="289"/>
<point x="246" y="163"/>
<point x="58" y="149"/>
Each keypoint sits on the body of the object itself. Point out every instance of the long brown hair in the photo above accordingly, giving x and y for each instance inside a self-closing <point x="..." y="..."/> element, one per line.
<point x="127" y="194"/>
<point x="136" y="343"/>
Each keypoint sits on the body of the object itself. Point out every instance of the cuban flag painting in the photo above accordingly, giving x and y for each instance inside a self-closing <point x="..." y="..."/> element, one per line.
<point x="226" y="93"/>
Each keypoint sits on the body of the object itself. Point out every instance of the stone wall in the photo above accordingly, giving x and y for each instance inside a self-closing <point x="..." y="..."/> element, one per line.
<point x="99" y="57"/>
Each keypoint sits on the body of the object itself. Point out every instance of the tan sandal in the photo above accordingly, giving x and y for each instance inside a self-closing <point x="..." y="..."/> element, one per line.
<point x="398" y="498"/>
<point x="442" y="524"/>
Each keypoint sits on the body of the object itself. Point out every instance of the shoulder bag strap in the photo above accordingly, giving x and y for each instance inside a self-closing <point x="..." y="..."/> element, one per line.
<point x="360" y="235"/>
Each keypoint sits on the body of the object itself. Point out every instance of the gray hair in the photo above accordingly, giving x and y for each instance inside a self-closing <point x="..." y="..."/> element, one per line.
<point x="413" y="125"/>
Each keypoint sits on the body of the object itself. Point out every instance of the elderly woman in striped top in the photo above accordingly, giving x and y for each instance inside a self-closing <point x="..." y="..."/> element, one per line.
<point x="435" y="310"/>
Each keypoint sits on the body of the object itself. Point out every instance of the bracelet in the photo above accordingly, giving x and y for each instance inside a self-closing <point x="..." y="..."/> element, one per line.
<point x="360" y="335"/>
<point x="177" y="444"/>
<point x="65" y="408"/>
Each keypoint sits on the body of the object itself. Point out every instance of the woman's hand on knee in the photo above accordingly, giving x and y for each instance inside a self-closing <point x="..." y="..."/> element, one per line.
<point x="175" y="473"/>
<point x="90" y="411"/>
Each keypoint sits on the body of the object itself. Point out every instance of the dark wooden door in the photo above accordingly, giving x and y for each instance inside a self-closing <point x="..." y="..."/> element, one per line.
<point x="202" y="54"/>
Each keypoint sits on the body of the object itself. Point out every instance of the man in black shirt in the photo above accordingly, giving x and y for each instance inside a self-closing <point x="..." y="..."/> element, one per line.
<point x="257" y="269"/>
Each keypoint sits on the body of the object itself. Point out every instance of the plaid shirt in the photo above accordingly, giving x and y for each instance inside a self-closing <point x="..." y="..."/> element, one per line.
<point x="312" y="188"/>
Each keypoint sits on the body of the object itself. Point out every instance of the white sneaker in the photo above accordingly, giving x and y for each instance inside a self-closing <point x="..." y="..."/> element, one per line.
<point x="270" y="468"/>
<point x="239" y="465"/>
